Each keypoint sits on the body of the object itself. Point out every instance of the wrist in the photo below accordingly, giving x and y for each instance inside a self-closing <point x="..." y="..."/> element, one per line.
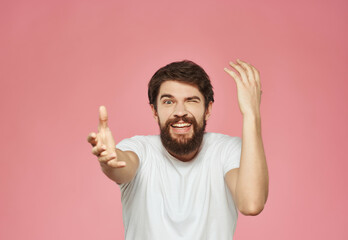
<point x="256" y="116"/>
<point x="252" y="123"/>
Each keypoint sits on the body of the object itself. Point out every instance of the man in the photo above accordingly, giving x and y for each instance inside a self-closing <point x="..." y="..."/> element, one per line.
<point x="185" y="183"/>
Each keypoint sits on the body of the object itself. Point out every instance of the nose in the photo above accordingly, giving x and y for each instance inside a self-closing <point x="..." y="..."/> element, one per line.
<point x="180" y="110"/>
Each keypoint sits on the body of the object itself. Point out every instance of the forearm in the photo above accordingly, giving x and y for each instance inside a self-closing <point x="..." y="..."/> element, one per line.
<point x="252" y="182"/>
<point x="124" y="174"/>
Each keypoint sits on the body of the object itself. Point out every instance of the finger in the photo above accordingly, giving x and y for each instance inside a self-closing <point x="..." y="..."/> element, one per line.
<point x="103" y="117"/>
<point x="116" y="164"/>
<point x="257" y="76"/>
<point x="247" y="68"/>
<point x="107" y="158"/>
<point x="233" y="75"/>
<point x="103" y="153"/>
<point x="98" y="149"/>
<point x="92" y="138"/>
<point x="241" y="71"/>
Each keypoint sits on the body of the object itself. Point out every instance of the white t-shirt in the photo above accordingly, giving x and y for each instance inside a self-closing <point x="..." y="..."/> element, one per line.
<point x="170" y="199"/>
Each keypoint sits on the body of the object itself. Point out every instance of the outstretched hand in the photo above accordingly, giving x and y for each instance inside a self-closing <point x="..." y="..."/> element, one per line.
<point x="104" y="146"/>
<point x="248" y="87"/>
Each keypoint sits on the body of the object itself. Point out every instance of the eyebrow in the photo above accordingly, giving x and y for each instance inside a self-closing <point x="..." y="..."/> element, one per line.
<point x="171" y="96"/>
<point x="193" y="98"/>
<point x="166" y="96"/>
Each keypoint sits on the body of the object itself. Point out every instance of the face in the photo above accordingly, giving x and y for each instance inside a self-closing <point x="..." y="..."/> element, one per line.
<point x="181" y="115"/>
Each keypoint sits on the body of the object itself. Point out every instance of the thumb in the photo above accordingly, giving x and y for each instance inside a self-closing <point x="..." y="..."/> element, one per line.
<point x="103" y="118"/>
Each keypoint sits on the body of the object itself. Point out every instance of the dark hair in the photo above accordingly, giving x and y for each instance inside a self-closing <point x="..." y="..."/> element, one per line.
<point x="183" y="71"/>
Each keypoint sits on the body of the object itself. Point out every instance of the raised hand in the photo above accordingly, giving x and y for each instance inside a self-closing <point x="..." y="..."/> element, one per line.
<point x="248" y="87"/>
<point x="104" y="146"/>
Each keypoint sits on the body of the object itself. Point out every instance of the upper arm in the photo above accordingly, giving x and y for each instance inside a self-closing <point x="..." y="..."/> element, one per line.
<point x="231" y="181"/>
<point x="131" y="159"/>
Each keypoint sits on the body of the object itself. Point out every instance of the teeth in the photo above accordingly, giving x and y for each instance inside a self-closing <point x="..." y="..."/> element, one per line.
<point x="181" y="125"/>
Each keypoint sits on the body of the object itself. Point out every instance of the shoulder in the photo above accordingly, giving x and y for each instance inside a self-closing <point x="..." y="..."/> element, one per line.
<point x="142" y="139"/>
<point x="222" y="144"/>
<point x="143" y="146"/>
<point x="139" y="143"/>
<point x="226" y="148"/>
<point x="221" y="139"/>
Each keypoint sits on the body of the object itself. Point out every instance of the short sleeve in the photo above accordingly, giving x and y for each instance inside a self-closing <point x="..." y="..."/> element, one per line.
<point x="134" y="144"/>
<point x="231" y="153"/>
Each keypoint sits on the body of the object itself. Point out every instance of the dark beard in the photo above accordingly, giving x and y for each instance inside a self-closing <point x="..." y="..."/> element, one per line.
<point x="181" y="145"/>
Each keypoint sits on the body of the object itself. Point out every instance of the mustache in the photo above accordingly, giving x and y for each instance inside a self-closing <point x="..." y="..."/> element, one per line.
<point x="178" y="119"/>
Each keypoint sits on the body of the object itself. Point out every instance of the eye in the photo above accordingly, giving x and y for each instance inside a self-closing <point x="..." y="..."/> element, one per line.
<point x="167" y="101"/>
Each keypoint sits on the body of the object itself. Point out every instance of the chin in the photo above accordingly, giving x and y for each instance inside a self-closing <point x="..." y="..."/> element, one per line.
<point x="181" y="138"/>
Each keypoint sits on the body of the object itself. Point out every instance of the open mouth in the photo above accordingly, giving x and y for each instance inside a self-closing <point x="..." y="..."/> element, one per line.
<point x="181" y="125"/>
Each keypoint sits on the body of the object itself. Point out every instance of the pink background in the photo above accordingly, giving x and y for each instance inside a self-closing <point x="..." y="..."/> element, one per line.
<point x="60" y="60"/>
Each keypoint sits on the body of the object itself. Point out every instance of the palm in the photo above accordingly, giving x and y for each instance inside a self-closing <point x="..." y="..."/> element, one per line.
<point x="248" y="87"/>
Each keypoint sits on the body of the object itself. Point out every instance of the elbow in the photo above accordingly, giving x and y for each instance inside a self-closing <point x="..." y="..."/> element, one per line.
<point x="252" y="205"/>
<point x="252" y="209"/>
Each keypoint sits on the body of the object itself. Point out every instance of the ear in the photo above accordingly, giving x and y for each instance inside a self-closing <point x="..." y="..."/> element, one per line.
<point x="154" y="112"/>
<point x="208" y="111"/>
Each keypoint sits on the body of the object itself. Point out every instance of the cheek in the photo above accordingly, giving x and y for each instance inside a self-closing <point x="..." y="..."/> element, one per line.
<point x="164" y="112"/>
<point x="162" y="117"/>
<point x="199" y="114"/>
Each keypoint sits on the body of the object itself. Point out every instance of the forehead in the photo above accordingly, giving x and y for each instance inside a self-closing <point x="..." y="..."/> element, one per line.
<point x="179" y="89"/>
